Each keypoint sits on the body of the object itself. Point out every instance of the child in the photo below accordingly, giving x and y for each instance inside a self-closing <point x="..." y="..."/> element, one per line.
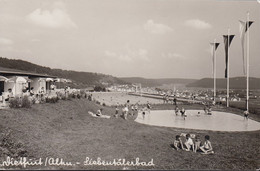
<point x="189" y="143"/>
<point x="205" y="109"/>
<point x="209" y="111"/>
<point x="176" y="110"/>
<point x="133" y="110"/>
<point x="125" y="112"/>
<point x="197" y="143"/>
<point x="207" y="148"/>
<point x="136" y="107"/>
<point x="182" y="111"/>
<point x="178" y="143"/>
<point x="246" y="114"/>
<point x="143" y="114"/>
<point x="117" y="110"/>
<point x="184" y="116"/>
<point x="148" y="107"/>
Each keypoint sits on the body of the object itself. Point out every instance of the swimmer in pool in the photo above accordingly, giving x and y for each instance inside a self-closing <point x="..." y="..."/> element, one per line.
<point x="143" y="114"/>
<point x="177" y="110"/>
<point x="209" y="111"/>
<point x="182" y="111"/>
<point x="246" y="114"/>
<point x="184" y="116"/>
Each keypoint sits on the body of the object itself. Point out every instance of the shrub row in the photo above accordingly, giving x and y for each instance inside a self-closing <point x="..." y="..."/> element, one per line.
<point x="23" y="102"/>
<point x="27" y="101"/>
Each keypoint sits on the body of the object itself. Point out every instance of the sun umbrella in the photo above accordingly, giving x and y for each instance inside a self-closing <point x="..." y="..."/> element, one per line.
<point x="2" y="78"/>
<point x="49" y="79"/>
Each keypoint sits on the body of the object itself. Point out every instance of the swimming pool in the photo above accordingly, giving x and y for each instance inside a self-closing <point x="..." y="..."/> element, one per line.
<point x="218" y="121"/>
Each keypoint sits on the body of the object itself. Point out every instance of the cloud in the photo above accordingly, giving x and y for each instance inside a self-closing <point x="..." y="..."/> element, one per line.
<point x="175" y="56"/>
<point x="5" y="41"/>
<point x="56" y="18"/>
<point x="156" y="28"/>
<point x="198" y="24"/>
<point x="35" y="40"/>
<point x="142" y="54"/>
<point x="129" y="56"/>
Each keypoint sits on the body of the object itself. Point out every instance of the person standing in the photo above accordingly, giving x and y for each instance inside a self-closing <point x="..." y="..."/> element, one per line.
<point x="117" y="111"/>
<point x="176" y="110"/>
<point x="126" y="109"/>
<point x="175" y="100"/>
<point x="246" y="114"/>
<point x="148" y="107"/>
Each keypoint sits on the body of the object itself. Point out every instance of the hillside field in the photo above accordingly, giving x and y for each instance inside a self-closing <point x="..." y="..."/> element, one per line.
<point x="66" y="130"/>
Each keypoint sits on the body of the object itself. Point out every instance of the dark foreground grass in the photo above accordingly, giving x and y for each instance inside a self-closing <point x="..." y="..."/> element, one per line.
<point x="65" y="130"/>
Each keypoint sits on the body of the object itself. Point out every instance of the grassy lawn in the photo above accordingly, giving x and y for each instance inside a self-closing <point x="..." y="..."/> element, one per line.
<point x="67" y="131"/>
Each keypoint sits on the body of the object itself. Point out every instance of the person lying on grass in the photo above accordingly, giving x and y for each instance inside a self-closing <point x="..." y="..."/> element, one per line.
<point x="178" y="143"/>
<point x="207" y="147"/>
<point x="99" y="114"/>
<point x="189" y="143"/>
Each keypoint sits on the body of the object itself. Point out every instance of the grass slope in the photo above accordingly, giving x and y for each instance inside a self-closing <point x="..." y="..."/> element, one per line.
<point x="66" y="130"/>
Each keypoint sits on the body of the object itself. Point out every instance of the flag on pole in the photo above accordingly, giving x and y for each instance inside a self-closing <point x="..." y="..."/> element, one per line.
<point x="227" y="44"/>
<point x="214" y="48"/>
<point x="243" y="28"/>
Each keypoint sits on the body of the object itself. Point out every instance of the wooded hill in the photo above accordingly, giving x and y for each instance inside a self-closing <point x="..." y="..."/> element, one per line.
<point x="81" y="79"/>
<point x="234" y="83"/>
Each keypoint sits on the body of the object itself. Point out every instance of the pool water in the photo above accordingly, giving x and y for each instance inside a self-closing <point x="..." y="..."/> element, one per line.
<point x="218" y="121"/>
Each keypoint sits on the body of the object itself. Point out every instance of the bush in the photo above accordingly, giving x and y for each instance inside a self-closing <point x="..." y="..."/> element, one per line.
<point x="52" y="99"/>
<point x="23" y="102"/>
<point x="63" y="97"/>
<point x="70" y="96"/>
<point x="15" y="102"/>
<point x="33" y="99"/>
<point x="83" y="93"/>
<point x="26" y="103"/>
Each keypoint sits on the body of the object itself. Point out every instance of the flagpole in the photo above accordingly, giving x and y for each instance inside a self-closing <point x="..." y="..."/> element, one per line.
<point x="214" y="74"/>
<point x="228" y="69"/>
<point x="247" y="61"/>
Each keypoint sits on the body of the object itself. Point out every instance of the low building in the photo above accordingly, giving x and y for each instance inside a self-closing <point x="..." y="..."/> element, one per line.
<point x="17" y="81"/>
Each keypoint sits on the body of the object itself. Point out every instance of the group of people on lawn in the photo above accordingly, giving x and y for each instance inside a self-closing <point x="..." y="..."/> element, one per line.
<point x="195" y="146"/>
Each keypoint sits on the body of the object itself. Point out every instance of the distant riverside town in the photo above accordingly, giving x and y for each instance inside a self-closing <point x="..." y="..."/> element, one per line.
<point x="39" y="87"/>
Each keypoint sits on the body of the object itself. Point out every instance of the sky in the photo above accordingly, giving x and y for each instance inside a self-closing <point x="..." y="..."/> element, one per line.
<point x="130" y="38"/>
